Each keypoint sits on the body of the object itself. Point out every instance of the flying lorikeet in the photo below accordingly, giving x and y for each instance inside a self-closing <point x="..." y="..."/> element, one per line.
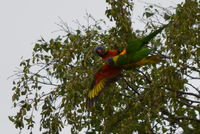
<point x="135" y="55"/>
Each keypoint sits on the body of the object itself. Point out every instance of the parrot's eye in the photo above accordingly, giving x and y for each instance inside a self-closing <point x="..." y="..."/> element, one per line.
<point x="99" y="50"/>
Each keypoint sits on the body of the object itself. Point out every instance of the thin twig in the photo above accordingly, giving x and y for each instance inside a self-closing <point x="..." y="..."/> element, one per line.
<point x="194" y="87"/>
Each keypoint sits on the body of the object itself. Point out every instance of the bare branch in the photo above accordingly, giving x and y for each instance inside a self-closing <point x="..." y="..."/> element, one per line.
<point x="45" y="83"/>
<point x="131" y="87"/>
<point x="193" y="68"/>
<point x="191" y="101"/>
<point x="145" y="75"/>
<point x="192" y="77"/>
<point x="182" y="92"/>
<point x="197" y="89"/>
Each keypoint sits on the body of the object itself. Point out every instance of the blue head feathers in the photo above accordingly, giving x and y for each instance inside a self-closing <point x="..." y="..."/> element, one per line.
<point x="100" y="50"/>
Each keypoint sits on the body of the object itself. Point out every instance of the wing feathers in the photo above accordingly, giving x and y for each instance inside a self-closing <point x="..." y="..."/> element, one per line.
<point x="106" y="75"/>
<point x="96" y="89"/>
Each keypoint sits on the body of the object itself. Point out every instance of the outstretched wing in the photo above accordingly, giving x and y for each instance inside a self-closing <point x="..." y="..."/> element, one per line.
<point x="106" y="75"/>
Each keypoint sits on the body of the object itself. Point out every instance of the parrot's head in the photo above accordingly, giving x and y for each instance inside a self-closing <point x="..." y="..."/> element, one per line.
<point x="100" y="50"/>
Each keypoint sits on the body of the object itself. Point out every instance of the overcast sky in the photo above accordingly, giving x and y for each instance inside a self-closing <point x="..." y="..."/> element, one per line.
<point x="23" y="22"/>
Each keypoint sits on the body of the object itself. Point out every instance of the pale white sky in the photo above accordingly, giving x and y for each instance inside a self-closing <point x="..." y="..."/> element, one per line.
<point x="23" y="22"/>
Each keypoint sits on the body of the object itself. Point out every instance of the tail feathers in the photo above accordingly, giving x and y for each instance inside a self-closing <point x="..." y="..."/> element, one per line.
<point x="152" y="59"/>
<point x="149" y="60"/>
<point x="135" y="45"/>
<point x="146" y="39"/>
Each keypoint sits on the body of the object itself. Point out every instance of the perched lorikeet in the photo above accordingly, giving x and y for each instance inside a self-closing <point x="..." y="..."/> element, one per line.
<point x="135" y="55"/>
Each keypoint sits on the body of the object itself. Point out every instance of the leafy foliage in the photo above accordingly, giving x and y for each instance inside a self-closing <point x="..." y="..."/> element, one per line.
<point x="154" y="99"/>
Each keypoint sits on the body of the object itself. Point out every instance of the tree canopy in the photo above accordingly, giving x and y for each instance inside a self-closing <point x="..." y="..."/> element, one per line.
<point x="161" y="98"/>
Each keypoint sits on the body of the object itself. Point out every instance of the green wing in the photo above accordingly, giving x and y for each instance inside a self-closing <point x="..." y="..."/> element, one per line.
<point x="130" y="58"/>
<point x="136" y="44"/>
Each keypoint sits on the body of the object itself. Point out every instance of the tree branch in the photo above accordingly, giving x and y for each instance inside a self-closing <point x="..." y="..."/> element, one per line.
<point x="194" y="87"/>
<point x="146" y="77"/>
<point x="131" y="87"/>
<point x="182" y="92"/>
<point x="177" y="118"/>
<point x="198" y="78"/>
<point x="193" y="68"/>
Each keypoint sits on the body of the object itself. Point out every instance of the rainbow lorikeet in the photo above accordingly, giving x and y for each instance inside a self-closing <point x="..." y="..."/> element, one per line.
<point x="135" y="55"/>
